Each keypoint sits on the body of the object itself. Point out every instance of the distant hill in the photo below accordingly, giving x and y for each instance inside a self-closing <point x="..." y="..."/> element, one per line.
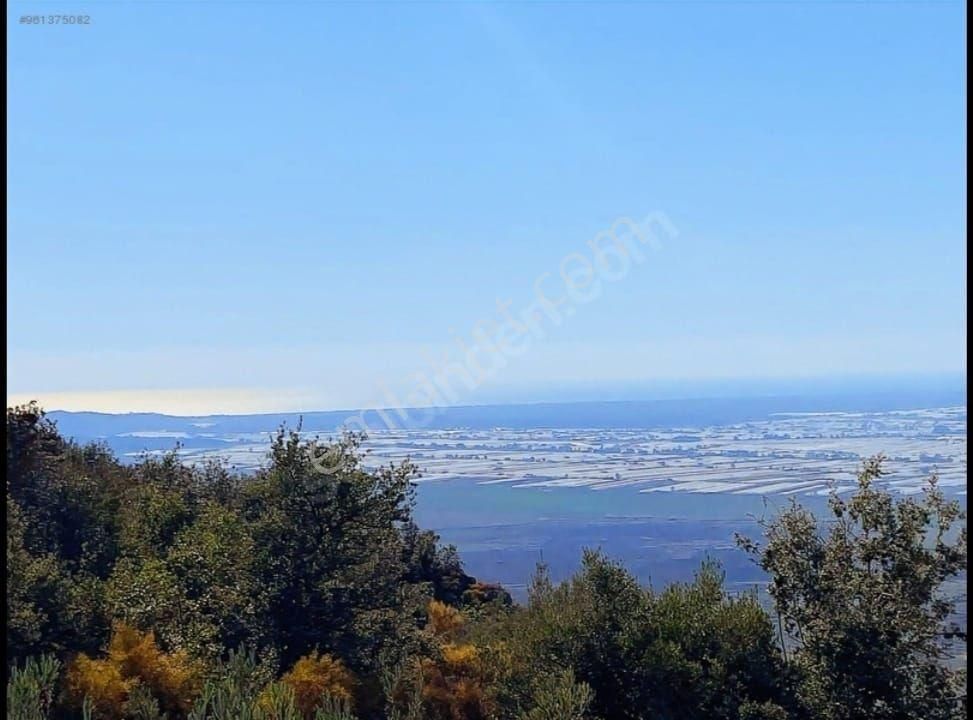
<point x="667" y="413"/>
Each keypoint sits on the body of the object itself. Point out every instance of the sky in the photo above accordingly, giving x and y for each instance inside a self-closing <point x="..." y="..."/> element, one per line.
<point x="253" y="206"/>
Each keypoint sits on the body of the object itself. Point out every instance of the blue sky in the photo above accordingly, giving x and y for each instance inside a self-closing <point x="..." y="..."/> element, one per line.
<point x="243" y="206"/>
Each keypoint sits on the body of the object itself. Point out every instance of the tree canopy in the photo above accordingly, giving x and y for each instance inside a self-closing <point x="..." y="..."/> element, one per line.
<point x="306" y="590"/>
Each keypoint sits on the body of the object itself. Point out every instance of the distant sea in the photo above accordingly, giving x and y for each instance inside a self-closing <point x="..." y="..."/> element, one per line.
<point x="665" y="406"/>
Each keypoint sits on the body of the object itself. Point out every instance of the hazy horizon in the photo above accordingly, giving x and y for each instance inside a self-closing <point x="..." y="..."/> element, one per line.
<point x="491" y="200"/>
<point x="193" y="403"/>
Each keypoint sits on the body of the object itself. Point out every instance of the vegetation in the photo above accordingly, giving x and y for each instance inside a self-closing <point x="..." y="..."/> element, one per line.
<point x="861" y="597"/>
<point x="156" y="590"/>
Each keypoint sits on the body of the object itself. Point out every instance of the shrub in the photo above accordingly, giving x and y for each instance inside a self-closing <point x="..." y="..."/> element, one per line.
<point x="100" y="683"/>
<point x="232" y="692"/>
<point x="31" y="689"/>
<point x="142" y="704"/>
<point x="558" y="696"/>
<point x="277" y="702"/>
<point x="315" y="677"/>
<point x="172" y="678"/>
<point x="455" y="685"/>
<point x="460" y="658"/>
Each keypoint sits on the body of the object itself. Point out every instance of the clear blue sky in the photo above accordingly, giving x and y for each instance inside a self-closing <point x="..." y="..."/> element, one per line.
<point x="256" y="205"/>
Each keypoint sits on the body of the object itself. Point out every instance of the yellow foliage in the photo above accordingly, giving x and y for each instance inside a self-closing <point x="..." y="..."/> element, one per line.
<point x="314" y="676"/>
<point x="444" y="621"/>
<point x="172" y="677"/>
<point x="456" y="686"/>
<point x="460" y="657"/>
<point x="133" y="657"/>
<point x="102" y="682"/>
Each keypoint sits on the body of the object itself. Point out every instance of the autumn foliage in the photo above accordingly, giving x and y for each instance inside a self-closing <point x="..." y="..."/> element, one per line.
<point x="315" y="677"/>
<point x="133" y="658"/>
<point x="456" y="683"/>
<point x="444" y="621"/>
<point x="100" y="682"/>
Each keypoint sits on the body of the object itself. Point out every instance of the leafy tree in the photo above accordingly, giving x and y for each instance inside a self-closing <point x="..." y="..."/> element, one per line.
<point x="704" y="653"/>
<point x="151" y="518"/>
<point x="861" y="596"/>
<point x="34" y="597"/>
<point x="62" y="505"/>
<point x="331" y="550"/>
<point x="67" y="494"/>
<point x="437" y="566"/>
<point x="213" y="562"/>
<point x="689" y="652"/>
<point x="34" y="482"/>
<point x="147" y="594"/>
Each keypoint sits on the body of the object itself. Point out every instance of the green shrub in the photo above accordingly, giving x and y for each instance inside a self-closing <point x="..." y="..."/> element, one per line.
<point x="32" y="689"/>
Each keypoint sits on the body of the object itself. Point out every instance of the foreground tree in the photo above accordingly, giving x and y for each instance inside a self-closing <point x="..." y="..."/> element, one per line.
<point x="331" y="551"/>
<point x="605" y="647"/>
<point x="861" y="595"/>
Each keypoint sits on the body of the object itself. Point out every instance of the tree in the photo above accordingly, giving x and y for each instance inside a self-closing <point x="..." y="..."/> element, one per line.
<point x="689" y="652"/>
<point x="34" y="597"/>
<point x="861" y="595"/>
<point x="331" y="552"/>
<point x="68" y="495"/>
<point x="62" y="509"/>
<point x="214" y="563"/>
<point x="438" y="566"/>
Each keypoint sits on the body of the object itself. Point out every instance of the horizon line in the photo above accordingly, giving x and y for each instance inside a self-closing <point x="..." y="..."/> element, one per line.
<point x="20" y="399"/>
